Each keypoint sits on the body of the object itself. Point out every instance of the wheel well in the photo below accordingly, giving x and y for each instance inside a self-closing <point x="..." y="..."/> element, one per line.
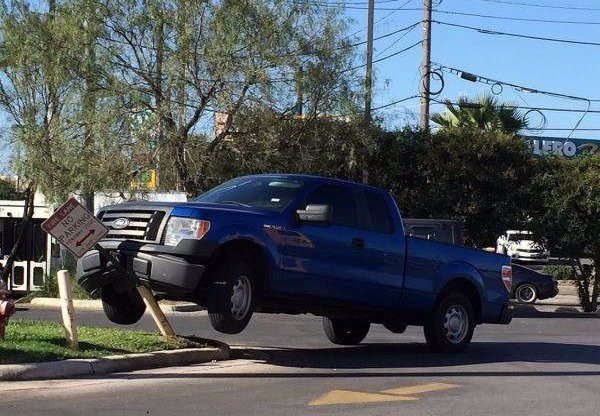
<point x="468" y="289"/>
<point x="253" y="253"/>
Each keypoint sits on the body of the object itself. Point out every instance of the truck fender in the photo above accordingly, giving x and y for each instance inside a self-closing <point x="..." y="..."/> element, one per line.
<point x="240" y="232"/>
<point x="460" y="270"/>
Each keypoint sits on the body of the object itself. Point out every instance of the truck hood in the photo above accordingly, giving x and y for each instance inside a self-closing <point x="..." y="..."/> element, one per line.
<point x="183" y="208"/>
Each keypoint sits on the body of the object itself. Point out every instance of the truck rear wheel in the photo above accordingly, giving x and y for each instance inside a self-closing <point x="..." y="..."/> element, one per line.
<point x="345" y="331"/>
<point x="451" y="326"/>
<point x="231" y="296"/>
<point x="124" y="308"/>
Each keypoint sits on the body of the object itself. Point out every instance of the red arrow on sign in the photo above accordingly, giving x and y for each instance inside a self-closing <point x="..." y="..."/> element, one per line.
<point x="85" y="237"/>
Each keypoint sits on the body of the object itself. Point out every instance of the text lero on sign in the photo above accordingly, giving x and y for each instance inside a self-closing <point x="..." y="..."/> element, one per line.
<point x="75" y="227"/>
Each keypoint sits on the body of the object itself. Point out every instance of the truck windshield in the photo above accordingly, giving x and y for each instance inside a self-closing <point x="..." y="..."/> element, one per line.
<point x="261" y="192"/>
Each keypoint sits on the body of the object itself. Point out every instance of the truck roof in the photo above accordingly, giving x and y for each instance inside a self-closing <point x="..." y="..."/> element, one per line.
<point x="315" y="178"/>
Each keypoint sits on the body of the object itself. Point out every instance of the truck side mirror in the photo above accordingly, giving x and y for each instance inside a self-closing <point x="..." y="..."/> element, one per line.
<point x="315" y="213"/>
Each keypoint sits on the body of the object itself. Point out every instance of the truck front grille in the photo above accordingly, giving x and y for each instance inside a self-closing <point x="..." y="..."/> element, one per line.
<point x="132" y="225"/>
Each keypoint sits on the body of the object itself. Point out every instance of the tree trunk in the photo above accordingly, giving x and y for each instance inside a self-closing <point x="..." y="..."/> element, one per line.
<point x="587" y="285"/>
<point x="27" y="215"/>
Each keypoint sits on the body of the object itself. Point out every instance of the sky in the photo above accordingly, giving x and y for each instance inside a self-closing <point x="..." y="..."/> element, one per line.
<point x="570" y="69"/>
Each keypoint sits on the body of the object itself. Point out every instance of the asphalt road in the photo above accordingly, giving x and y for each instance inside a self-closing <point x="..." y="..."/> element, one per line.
<point x="541" y="364"/>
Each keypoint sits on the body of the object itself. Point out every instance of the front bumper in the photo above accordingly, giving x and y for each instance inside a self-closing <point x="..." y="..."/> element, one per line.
<point x="179" y="268"/>
<point x="530" y="256"/>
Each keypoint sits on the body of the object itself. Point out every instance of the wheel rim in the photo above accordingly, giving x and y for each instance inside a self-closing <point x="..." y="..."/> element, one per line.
<point x="526" y="294"/>
<point x="456" y="324"/>
<point x="241" y="296"/>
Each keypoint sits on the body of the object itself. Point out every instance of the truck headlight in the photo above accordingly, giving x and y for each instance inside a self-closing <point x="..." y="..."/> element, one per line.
<point x="180" y="228"/>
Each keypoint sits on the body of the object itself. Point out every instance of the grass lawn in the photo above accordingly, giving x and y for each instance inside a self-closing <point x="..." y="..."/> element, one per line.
<point x="34" y="341"/>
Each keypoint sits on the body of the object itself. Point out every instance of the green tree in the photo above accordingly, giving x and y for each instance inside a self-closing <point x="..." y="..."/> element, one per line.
<point x="184" y="60"/>
<point x="478" y="177"/>
<point x="483" y="114"/>
<point x="568" y="191"/>
<point x="45" y="89"/>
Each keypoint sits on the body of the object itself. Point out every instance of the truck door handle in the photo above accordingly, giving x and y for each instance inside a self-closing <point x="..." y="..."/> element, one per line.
<point x="358" y="243"/>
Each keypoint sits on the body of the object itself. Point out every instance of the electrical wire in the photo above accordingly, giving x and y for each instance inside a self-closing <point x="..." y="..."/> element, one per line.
<point x="513" y="18"/>
<point x="394" y="102"/>
<point x="391" y="45"/>
<point x="382" y="59"/>
<point x="489" y="81"/>
<point x="516" y="35"/>
<point x="546" y="6"/>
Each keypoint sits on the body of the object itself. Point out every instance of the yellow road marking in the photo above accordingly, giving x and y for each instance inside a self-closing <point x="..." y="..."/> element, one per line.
<point x="349" y="397"/>
<point x="399" y="394"/>
<point x="422" y="388"/>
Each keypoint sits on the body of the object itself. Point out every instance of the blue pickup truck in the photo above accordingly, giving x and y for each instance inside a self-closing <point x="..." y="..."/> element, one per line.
<point x="296" y="244"/>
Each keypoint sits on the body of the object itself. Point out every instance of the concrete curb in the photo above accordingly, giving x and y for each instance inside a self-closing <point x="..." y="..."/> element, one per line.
<point x="96" y="304"/>
<point x="112" y="364"/>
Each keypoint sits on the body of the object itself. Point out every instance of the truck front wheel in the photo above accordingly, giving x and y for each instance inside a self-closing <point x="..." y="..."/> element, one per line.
<point x="231" y="297"/>
<point x="450" y="327"/>
<point x="345" y="331"/>
<point x="124" y="308"/>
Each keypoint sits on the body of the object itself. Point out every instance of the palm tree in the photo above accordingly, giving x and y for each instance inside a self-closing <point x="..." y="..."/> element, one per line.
<point x="485" y="113"/>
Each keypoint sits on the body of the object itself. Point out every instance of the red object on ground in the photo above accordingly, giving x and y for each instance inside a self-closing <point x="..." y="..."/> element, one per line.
<point x="7" y="308"/>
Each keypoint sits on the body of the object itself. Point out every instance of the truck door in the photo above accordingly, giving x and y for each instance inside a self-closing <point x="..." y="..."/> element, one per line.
<point x="342" y="261"/>
<point x="382" y="249"/>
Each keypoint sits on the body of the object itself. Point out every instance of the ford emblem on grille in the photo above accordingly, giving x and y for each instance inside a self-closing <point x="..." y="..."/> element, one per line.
<point x="120" y="223"/>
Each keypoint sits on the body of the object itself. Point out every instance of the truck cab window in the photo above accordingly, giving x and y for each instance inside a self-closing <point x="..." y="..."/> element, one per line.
<point x="342" y="202"/>
<point x="379" y="213"/>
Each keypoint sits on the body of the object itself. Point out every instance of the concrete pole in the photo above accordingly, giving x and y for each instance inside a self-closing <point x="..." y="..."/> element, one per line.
<point x="425" y="67"/>
<point x="157" y="314"/>
<point x="66" y="307"/>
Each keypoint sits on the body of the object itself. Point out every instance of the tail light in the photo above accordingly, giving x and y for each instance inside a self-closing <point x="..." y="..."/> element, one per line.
<point x="507" y="277"/>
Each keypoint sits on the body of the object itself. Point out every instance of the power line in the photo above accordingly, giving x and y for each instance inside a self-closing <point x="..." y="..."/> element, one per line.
<point x="520" y="107"/>
<point x="513" y="18"/>
<point x="516" y="35"/>
<point x="559" y="129"/>
<point x="546" y="6"/>
<point x="395" y="102"/>
<point x="391" y="45"/>
<point x="492" y="82"/>
<point x="489" y="81"/>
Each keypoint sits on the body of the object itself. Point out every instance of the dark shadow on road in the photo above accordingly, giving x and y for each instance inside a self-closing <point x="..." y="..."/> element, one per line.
<point x="385" y="360"/>
<point x="570" y="312"/>
<point x="416" y="355"/>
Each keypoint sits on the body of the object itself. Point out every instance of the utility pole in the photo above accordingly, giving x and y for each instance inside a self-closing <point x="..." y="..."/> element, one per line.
<point x="425" y="66"/>
<point x="299" y="92"/>
<point x="369" y="71"/>
<point x="368" y="91"/>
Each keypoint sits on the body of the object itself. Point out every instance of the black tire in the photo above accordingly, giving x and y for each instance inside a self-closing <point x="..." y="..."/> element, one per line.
<point x="345" y="331"/>
<point x="125" y="308"/>
<point x="233" y="275"/>
<point x="526" y="293"/>
<point x="395" y="327"/>
<point x="450" y="327"/>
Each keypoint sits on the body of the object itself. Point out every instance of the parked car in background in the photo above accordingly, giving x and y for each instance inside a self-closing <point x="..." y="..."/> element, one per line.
<point x="521" y="246"/>
<point x="530" y="285"/>
<point x="297" y="244"/>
